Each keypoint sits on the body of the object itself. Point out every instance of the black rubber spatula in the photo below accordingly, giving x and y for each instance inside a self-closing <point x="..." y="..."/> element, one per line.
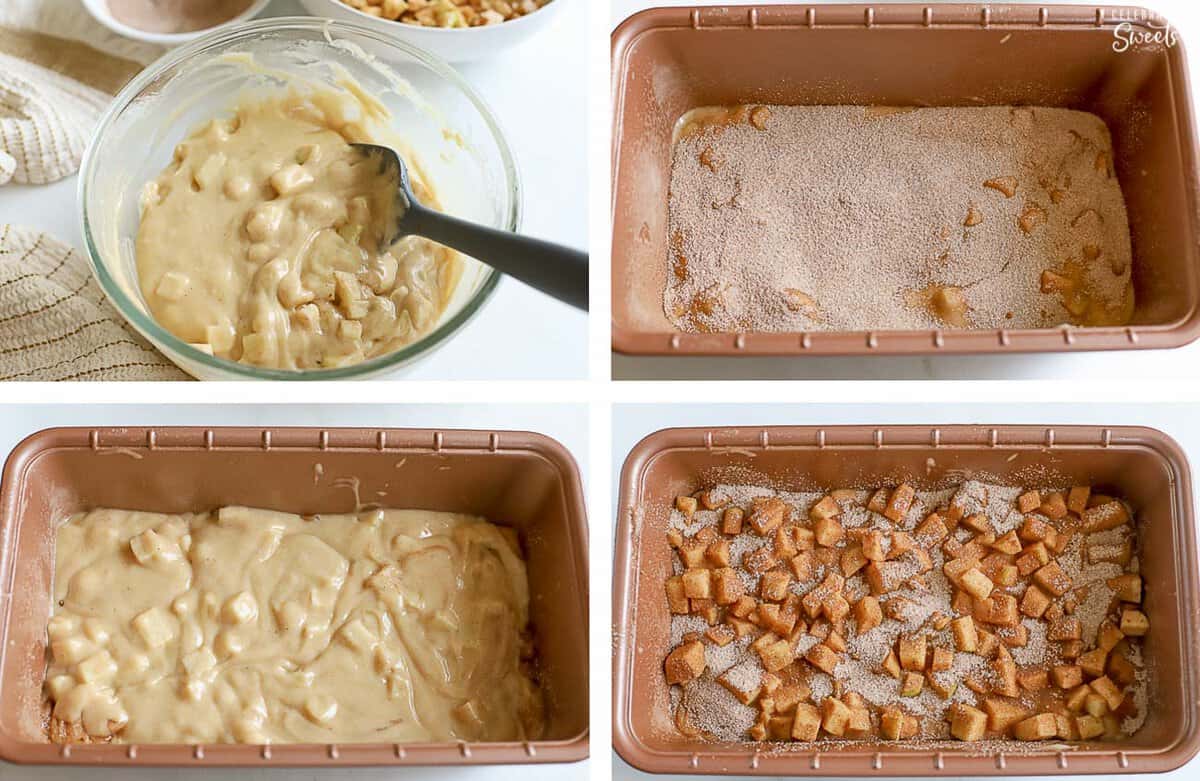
<point x="558" y="271"/>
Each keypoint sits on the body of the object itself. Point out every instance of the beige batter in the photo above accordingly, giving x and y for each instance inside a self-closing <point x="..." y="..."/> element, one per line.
<point x="254" y="626"/>
<point x="260" y="243"/>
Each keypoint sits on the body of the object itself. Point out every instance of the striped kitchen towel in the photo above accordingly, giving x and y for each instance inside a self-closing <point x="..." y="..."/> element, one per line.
<point x="58" y="70"/>
<point x="55" y="322"/>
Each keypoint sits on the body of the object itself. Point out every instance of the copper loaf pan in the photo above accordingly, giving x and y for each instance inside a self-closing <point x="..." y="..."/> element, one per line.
<point x="1143" y="466"/>
<point x="514" y="478"/>
<point x="668" y="61"/>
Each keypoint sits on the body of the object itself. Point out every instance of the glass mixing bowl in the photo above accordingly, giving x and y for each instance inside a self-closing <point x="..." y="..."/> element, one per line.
<point x="454" y="135"/>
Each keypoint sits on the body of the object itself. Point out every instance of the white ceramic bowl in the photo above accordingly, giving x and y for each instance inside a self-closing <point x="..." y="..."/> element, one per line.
<point x="99" y="9"/>
<point x="455" y="45"/>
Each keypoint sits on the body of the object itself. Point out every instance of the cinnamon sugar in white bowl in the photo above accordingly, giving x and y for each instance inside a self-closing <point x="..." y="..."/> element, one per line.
<point x="103" y="12"/>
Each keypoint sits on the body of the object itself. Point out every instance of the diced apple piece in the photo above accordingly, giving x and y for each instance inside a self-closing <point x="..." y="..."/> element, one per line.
<point x="967" y="723"/>
<point x="155" y="626"/>
<point x="692" y="553"/>
<point x="827" y="532"/>
<point x="784" y="543"/>
<point x="976" y="583"/>
<point x="868" y="613"/>
<point x="884" y="576"/>
<point x="943" y="684"/>
<point x="1034" y="602"/>
<point x="1008" y="543"/>
<point x="706" y="609"/>
<point x="717" y="553"/>
<point x="721" y="635"/>
<point x="1000" y="609"/>
<point x="910" y="684"/>
<point x="1134" y="623"/>
<point x="686" y="505"/>
<point x="1089" y="727"/>
<point x="677" y="600"/>
<point x="767" y="514"/>
<point x="943" y="659"/>
<point x="891" y="665"/>
<point x="743" y="606"/>
<point x="759" y="561"/>
<point x="1039" y="727"/>
<point x="1128" y="588"/>
<point x="1051" y="578"/>
<point x="860" y="724"/>
<point x="1093" y="662"/>
<point x="931" y="531"/>
<point x="807" y="723"/>
<point x="685" y="663"/>
<point x="891" y="723"/>
<point x="697" y="583"/>
<point x="727" y="586"/>
<point x="1066" y="676"/>
<point x="823" y="658"/>
<point x="802" y="565"/>
<point x="1109" y="691"/>
<point x="1108" y="635"/>
<point x="1003" y="713"/>
<point x="1029" y="501"/>
<point x="775" y="619"/>
<point x="1033" y="680"/>
<point x="1054" y="506"/>
<point x="1103" y="517"/>
<point x="965" y="637"/>
<point x="1095" y="705"/>
<point x="152" y="549"/>
<point x="1006" y="676"/>
<point x="899" y="502"/>
<point x="852" y="560"/>
<point x="1077" y="498"/>
<point x="826" y="508"/>
<point x="912" y="653"/>
<point x="776" y="656"/>
<point x="1121" y="670"/>
<point x="773" y="586"/>
<point x="835" y="608"/>
<point x="737" y="684"/>
<point x="1064" y="629"/>
<point x="1075" y="698"/>
<point x="731" y="521"/>
<point x="713" y="499"/>
<point x="873" y="545"/>
<point x="835" y="716"/>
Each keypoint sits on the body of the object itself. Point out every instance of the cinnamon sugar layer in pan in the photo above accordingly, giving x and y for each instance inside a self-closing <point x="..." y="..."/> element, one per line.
<point x="979" y="613"/>
<point x="802" y="218"/>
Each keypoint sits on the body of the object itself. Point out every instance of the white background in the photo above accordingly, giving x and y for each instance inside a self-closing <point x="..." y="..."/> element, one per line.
<point x="566" y="423"/>
<point x="1183" y="362"/>
<point x="632" y="422"/>
<point x="535" y="91"/>
<point x="544" y="98"/>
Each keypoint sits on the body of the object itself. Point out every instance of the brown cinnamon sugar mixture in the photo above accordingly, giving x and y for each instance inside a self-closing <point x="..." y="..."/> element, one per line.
<point x="803" y="218"/>
<point x="983" y="612"/>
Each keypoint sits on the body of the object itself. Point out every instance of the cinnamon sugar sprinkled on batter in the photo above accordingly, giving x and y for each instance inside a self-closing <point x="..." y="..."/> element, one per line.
<point x="852" y="218"/>
<point x="912" y="609"/>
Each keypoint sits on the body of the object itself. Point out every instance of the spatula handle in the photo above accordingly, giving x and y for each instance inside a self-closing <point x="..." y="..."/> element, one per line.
<point x="560" y="271"/>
